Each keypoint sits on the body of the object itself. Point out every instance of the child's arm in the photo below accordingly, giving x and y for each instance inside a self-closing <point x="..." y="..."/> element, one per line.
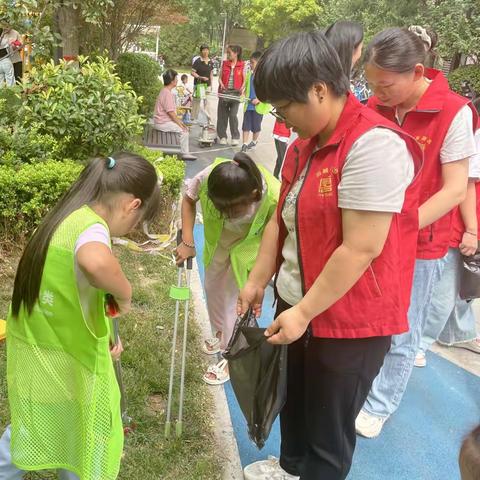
<point x="103" y="271"/>
<point x="189" y="211"/>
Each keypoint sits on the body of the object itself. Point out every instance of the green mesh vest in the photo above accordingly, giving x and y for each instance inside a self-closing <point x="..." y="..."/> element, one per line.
<point x="63" y="394"/>
<point x="244" y="253"/>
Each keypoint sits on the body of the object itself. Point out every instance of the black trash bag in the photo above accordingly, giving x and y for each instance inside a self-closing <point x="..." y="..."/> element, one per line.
<point x="258" y="372"/>
<point x="470" y="277"/>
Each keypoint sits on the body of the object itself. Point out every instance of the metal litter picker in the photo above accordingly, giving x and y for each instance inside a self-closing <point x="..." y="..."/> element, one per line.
<point x="180" y="293"/>
<point x="112" y="310"/>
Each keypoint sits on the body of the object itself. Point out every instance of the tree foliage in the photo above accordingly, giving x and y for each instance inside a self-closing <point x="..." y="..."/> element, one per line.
<point x="272" y="20"/>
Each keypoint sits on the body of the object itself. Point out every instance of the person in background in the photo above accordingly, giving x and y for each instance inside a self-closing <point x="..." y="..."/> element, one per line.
<point x="165" y="117"/>
<point x="202" y="72"/>
<point x="185" y="99"/>
<point x="16" y="44"/>
<point x="252" y="120"/>
<point x="281" y="135"/>
<point x="469" y="458"/>
<point x="347" y="39"/>
<point x="7" y="73"/>
<point x="449" y="319"/>
<point x="231" y="83"/>
<point x="421" y="102"/>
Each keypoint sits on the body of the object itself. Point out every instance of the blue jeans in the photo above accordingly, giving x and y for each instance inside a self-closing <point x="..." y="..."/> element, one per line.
<point x="390" y="385"/>
<point x="449" y="318"/>
<point x="8" y="471"/>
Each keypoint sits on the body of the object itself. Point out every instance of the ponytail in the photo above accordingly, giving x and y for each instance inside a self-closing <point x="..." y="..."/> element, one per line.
<point x="123" y="172"/>
<point x="235" y="182"/>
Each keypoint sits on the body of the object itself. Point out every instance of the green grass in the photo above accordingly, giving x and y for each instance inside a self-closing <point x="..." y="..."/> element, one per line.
<point x="146" y="335"/>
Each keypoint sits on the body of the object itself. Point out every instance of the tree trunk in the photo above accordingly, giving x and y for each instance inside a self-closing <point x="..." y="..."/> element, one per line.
<point x="69" y="25"/>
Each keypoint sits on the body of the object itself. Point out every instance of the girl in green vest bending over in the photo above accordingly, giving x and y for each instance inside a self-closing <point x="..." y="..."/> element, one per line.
<point x="63" y="394"/>
<point x="238" y="198"/>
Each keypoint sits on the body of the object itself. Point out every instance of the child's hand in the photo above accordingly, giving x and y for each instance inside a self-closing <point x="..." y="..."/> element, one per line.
<point x="182" y="252"/>
<point x="124" y="306"/>
<point x="255" y="101"/>
<point x="116" y="350"/>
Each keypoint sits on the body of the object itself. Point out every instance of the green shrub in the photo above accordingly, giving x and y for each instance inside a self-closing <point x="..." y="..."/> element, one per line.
<point x="87" y="106"/>
<point x="142" y="73"/>
<point x="179" y="44"/>
<point x="26" y="145"/>
<point x="172" y="169"/>
<point x="470" y="73"/>
<point x="10" y="103"/>
<point x="29" y="192"/>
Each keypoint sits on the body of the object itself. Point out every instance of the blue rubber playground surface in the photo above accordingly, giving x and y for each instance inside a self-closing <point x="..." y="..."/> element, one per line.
<point x="420" y="442"/>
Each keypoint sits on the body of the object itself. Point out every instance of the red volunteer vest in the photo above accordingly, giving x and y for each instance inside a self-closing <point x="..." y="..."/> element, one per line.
<point x="238" y="74"/>
<point x="281" y="129"/>
<point x="377" y="304"/>
<point x="429" y="124"/>
<point x="458" y="225"/>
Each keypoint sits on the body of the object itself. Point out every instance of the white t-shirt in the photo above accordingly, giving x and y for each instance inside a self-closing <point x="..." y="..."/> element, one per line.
<point x="379" y="154"/>
<point x="474" y="164"/>
<point x="87" y="293"/>
<point x="459" y="142"/>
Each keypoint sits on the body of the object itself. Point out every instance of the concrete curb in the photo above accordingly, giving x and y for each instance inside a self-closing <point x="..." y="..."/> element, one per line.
<point x="224" y="434"/>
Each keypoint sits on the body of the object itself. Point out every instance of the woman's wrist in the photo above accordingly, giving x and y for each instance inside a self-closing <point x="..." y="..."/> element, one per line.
<point x="472" y="233"/>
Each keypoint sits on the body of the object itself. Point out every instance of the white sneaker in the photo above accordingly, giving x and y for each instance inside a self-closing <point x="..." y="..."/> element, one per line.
<point x="223" y="141"/>
<point x="472" y="345"/>
<point x="369" y="426"/>
<point x="235" y="142"/>
<point x="267" y="470"/>
<point x="420" y="360"/>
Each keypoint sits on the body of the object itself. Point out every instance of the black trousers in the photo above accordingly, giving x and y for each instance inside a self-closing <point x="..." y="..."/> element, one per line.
<point x="227" y="113"/>
<point x="18" y="71"/>
<point x="281" y="148"/>
<point x="328" y="382"/>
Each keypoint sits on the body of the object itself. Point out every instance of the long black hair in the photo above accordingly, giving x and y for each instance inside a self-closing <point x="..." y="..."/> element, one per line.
<point x="291" y="66"/>
<point x="233" y="183"/>
<point x="98" y="181"/>
<point x="395" y="50"/>
<point x="345" y="37"/>
<point x="236" y="49"/>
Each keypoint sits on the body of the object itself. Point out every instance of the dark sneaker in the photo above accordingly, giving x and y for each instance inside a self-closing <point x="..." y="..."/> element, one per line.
<point x="244" y="147"/>
<point x="252" y="145"/>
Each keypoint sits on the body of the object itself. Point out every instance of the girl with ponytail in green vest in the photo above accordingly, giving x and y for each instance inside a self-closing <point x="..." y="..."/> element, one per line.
<point x="63" y="394"/>
<point x="237" y="198"/>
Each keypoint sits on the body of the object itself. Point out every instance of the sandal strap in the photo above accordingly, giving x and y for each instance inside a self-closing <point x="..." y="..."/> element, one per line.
<point x="219" y="369"/>
<point x="212" y="342"/>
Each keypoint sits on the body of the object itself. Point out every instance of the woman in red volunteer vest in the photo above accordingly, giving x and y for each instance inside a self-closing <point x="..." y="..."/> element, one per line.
<point x="231" y="83"/>
<point x="342" y="246"/>
<point x="420" y="101"/>
<point x="451" y="320"/>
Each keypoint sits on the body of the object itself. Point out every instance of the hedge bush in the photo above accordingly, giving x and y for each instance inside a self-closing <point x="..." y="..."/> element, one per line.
<point x="88" y="107"/>
<point x="470" y="73"/>
<point x="28" y="193"/>
<point x="142" y="73"/>
<point x="172" y="169"/>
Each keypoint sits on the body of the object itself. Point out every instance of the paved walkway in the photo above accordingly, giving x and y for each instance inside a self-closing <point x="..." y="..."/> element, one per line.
<point x="441" y="405"/>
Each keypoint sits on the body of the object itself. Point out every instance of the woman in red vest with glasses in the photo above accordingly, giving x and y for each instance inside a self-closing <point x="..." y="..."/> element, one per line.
<point x="420" y="101"/>
<point x="342" y="246"/>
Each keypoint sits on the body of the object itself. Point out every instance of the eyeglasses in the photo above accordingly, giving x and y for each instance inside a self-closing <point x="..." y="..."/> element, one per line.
<point x="277" y="115"/>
